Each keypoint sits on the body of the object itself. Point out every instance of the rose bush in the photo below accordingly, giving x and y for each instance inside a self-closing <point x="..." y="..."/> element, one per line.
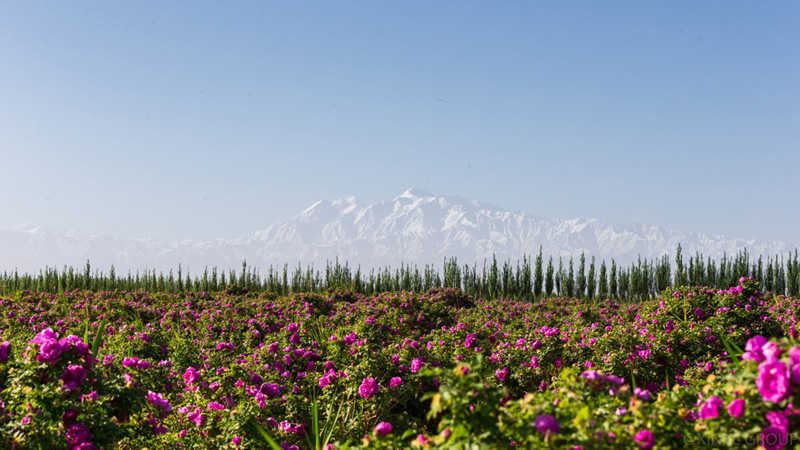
<point x="437" y="369"/>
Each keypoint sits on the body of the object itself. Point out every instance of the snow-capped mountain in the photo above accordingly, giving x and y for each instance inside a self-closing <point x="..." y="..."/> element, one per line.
<point x="417" y="227"/>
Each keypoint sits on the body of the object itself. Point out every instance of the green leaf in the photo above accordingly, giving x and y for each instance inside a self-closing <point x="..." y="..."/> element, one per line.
<point x="734" y="351"/>
<point x="271" y="442"/>
<point x="582" y="417"/>
<point x="98" y="338"/>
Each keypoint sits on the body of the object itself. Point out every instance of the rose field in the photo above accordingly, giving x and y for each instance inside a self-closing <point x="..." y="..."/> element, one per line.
<point x="692" y="367"/>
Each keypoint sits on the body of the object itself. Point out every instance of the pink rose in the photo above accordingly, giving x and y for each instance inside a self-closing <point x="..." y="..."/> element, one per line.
<point x="501" y="374"/>
<point x="191" y="376"/>
<point x="546" y="423"/>
<point x="771" y="351"/>
<point x="778" y="419"/>
<point x="773" y="381"/>
<point x="369" y="387"/>
<point x="736" y="408"/>
<point x="794" y="363"/>
<point x="49" y="351"/>
<point x="5" y="349"/>
<point x="78" y="434"/>
<point x="753" y="349"/>
<point x="159" y="401"/>
<point x="73" y="376"/>
<point x="773" y="438"/>
<point x="710" y="408"/>
<point x="645" y="439"/>
<point x="383" y="429"/>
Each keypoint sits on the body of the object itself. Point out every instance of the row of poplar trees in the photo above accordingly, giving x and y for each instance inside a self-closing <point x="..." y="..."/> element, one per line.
<point x="530" y="278"/>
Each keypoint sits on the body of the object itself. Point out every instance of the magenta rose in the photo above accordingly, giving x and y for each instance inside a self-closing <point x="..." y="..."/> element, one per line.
<point x="736" y="408"/>
<point x="711" y="407"/>
<point x="271" y="390"/>
<point x="196" y="417"/>
<point x="78" y="434"/>
<point x="80" y="348"/>
<point x="49" y="347"/>
<point x="773" y="438"/>
<point x="592" y="375"/>
<point x="753" y="349"/>
<point x="85" y="446"/>
<point x="546" y="423"/>
<point x="73" y="377"/>
<point x="159" y="401"/>
<point x="5" y="349"/>
<point x="383" y="429"/>
<point x="191" y="376"/>
<point x="131" y="362"/>
<point x="324" y="381"/>
<point x="771" y="351"/>
<point x="469" y="342"/>
<point x="501" y="374"/>
<point x="645" y="439"/>
<point x="778" y="419"/>
<point x="369" y="387"/>
<point x="49" y="351"/>
<point x="773" y="381"/>
<point x="794" y="363"/>
<point x="45" y="335"/>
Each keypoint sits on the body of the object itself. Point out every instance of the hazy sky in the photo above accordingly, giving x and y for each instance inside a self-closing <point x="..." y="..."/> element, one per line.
<point x="192" y="119"/>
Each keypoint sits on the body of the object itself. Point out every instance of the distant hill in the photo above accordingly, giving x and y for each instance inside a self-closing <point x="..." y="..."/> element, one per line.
<point x="417" y="227"/>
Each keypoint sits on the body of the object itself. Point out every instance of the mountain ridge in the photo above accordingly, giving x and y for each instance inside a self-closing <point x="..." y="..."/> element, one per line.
<point x="416" y="227"/>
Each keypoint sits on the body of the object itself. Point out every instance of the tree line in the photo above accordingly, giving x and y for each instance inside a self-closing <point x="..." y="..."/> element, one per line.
<point x="528" y="279"/>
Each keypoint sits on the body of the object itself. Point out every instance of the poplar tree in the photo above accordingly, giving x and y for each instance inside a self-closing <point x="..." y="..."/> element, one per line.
<point x="590" y="282"/>
<point x="509" y="283"/>
<point x="570" y="281"/>
<point x="623" y="283"/>
<point x="524" y="277"/>
<point x="635" y="279"/>
<point x="791" y="275"/>
<point x="780" y="277"/>
<point x="492" y="282"/>
<point x="680" y="271"/>
<point x="662" y="274"/>
<point x="87" y="274"/>
<point x="769" y="277"/>
<point x="537" y="276"/>
<point x="602" y="285"/>
<point x="711" y="273"/>
<point x="560" y="277"/>
<point x="612" y="283"/>
<point x="548" y="279"/>
<point x="723" y="272"/>
<point x="731" y="278"/>
<point x="582" y="277"/>
<point x="700" y="271"/>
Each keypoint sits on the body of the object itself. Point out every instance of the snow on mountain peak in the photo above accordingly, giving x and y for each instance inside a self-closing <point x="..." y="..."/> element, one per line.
<point x="416" y="227"/>
<point x="413" y="193"/>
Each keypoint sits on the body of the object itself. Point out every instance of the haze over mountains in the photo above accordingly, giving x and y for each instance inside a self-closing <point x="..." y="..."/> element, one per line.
<point x="417" y="227"/>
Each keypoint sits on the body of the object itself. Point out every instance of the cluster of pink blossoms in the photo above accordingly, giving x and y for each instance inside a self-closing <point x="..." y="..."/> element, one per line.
<point x="5" y="349"/>
<point x="79" y="438"/>
<point x="775" y="382"/>
<point x="50" y="347"/>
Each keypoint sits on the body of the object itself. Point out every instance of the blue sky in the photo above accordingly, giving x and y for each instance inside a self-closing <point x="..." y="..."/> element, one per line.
<point x="195" y="119"/>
